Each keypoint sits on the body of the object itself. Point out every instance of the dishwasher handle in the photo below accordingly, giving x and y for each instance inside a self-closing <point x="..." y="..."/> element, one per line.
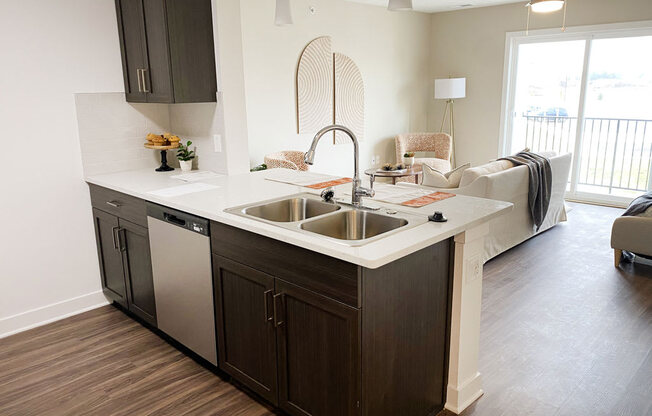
<point x="174" y="219"/>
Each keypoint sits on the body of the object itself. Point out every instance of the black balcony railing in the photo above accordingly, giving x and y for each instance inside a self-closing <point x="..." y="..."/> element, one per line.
<point x="615" y="153"/>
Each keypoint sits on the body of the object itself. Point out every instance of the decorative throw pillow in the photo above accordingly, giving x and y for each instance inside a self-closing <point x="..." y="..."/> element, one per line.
<point x="472" y="174"/>
<point x="436" y="179"/>
<point x="455" y="175"/>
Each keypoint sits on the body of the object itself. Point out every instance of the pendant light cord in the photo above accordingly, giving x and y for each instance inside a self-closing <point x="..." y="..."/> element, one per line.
<point x="563" y="24"/>
<point x="527" y="26"/>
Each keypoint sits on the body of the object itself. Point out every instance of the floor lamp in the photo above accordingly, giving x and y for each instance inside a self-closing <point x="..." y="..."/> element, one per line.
<point x="449" y="89"/>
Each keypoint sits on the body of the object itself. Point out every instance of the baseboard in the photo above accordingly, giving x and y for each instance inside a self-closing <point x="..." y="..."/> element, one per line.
<point x="460" y="397"/>
<point x="50" y="313"/>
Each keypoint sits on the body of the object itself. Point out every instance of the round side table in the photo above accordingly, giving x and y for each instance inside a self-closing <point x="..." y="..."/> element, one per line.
<point x="375" y="173"/>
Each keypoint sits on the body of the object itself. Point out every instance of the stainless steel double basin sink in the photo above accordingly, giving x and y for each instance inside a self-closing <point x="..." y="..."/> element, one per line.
<point x="307" y="213"/>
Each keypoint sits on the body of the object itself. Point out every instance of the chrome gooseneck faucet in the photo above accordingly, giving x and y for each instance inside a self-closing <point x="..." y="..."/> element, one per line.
<point x="358" y="191"/>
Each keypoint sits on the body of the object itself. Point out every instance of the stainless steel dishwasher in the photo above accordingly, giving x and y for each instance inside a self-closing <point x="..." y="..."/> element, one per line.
<point x="183" y="283"/>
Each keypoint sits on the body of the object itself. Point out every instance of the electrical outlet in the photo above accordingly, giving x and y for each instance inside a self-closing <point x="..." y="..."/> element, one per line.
<point x="217" y="142"/>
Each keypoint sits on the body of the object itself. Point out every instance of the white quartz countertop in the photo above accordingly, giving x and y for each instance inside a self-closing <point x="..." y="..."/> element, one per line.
<point x="463" y="212"/>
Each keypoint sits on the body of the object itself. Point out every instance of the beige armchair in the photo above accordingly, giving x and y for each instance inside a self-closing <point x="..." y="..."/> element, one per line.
<point x="289" y="159"/>
<point x="632" y="234"/>
<point x="438" y="143"/>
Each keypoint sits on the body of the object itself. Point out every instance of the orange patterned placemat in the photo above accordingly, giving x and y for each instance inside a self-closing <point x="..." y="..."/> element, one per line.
<point x="427" y="199"/>
<point x="335" y="182"/>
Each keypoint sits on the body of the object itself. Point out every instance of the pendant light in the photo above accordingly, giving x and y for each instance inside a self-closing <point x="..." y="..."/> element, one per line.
<point x="546" y="6"/>
<point x="395" y="5"/>
<point x="283" y="13"/>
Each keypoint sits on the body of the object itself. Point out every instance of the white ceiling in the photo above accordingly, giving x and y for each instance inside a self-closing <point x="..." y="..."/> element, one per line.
<point x="433" y="6"/>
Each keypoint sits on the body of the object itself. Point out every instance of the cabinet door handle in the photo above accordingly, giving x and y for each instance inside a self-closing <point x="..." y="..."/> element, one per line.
<point x="266" y="301"/>
<point x="277" y="323"/>
<point x="142" y="71"/>
<point x="140" y="89"/>
<point x="122" y="237"/>
<point x="115" y="243"/>
<point x="114" y="204"/>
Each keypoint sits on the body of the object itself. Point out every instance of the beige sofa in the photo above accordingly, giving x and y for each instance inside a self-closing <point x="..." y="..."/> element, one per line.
<point x="632" y="234"/>
<point x="511" y="184"/>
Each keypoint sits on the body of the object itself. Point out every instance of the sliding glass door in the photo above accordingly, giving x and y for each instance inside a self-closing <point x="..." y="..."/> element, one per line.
<point x="589" y="94"/>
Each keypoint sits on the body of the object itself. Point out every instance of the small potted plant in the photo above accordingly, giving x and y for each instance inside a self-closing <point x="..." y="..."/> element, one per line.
<point x="408" y="159"/>
<point x="185" y="156"/>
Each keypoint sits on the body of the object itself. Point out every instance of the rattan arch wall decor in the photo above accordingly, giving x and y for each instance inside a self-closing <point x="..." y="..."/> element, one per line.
<point x="329" y="90"/>
<point x="349" y="97"/>
<point x="315" y="86"/>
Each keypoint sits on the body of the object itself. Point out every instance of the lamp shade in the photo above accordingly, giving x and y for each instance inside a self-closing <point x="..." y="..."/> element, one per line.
<point x="450" y="88"/>
<point x="399" y="5"/>
<point x="283" y="13"/>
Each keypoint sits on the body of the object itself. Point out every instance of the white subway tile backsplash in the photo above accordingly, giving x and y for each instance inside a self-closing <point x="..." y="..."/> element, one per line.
<point x="112" y="132"/>
<point x="198" y="123"/>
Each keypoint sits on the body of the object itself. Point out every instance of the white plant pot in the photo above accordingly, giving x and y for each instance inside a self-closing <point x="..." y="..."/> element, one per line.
<point x="186" y="165"/>
<point x="408" y="161"/>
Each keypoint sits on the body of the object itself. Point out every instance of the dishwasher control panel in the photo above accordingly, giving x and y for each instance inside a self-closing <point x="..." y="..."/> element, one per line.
<point x="178" y="218"/>
<point x="198" y="228"/>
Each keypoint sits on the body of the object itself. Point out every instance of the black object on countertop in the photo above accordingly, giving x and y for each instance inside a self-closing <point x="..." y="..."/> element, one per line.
<point x="164" y="163"/>
<point x="438" y="216"/>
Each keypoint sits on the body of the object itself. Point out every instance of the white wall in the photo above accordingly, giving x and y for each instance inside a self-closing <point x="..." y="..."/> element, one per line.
<point x="50" y="50"/>
<point x="391" y="49"/>
<point x="230" y="83"/>
<point x="471" y="43"/>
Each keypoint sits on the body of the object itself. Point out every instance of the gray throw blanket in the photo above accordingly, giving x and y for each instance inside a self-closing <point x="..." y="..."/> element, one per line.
<point x="540" y="185"/>
<point x="639" y="205"/>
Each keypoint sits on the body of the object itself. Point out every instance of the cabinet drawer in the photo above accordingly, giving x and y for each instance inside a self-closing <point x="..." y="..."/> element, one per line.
<point x="121" y="205"/>
<point x="317" y="272"/>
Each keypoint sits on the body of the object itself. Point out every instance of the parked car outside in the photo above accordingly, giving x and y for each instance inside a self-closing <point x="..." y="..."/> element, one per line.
<point x="553" y="112"/>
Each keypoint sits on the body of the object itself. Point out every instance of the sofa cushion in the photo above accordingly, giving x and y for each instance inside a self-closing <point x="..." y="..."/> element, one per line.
<point x="472" y="174"/>
<point x="438" y="164"/>
<point x="436" y="179"/>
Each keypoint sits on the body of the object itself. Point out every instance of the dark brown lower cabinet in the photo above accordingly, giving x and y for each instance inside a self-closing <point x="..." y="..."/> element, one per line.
<point x="137" y="264"/>
<point x="317" y="336"/>
<point x="110" y="256"/>
<point x="318" y="359"/>
<point x="293" y="347"/>
<point x="125" y="264"/>
<point x="246" y="333"/>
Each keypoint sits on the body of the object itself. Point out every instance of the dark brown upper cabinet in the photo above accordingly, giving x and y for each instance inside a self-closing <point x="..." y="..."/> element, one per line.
<point x="168" y="55"/>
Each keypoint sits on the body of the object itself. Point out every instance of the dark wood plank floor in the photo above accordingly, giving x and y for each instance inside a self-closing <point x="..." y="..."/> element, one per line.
<point x="104" y="363"/>
<point x="563" y="333"/>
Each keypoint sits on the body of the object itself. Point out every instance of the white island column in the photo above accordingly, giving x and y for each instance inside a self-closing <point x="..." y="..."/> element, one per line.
<point x="464" y="379"/>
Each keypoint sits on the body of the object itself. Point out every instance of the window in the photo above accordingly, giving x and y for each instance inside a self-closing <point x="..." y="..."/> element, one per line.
<point x="591" y="83"/>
